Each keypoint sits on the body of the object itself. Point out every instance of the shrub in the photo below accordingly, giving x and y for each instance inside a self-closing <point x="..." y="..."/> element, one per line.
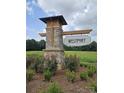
<point x="83" y="75"/>
<point x="72" y="63"/>
<point x="71" y="76"/>
<point x="29" y="74"/>
<point x="54" y="88"/>
<point x="93" y="87"/>
<point x="29" y="61"/>
<point x="50" y="64"/>
<point x="92" y="67"/>
<point x="47" y="74"/>
<point x="35" y="63"/>
<point x="39" y="65"/>
<point x="84" y="64"/>
<point x="81" y="64"/>
<point x="91" y="70"/>
<point x="90" y="73"/>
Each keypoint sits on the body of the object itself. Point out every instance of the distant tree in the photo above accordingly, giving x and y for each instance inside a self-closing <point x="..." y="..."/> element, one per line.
<point x="33" y="45"/>
<point x="85" y="48"/>
<point x="42" y="44"/>
<point x="93" y="46"/>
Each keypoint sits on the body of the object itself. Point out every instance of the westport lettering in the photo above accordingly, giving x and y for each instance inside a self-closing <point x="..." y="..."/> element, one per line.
<point x="77" y="40"/>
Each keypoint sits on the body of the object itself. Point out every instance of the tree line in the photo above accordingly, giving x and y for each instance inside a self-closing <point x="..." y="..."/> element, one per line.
<point x="33" y="45"/>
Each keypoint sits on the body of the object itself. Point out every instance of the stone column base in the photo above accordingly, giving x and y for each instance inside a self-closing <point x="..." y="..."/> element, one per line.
<point x="58" y="54"/>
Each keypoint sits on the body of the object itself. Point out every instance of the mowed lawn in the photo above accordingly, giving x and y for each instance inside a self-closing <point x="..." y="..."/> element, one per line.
<point x="85" y="56"/>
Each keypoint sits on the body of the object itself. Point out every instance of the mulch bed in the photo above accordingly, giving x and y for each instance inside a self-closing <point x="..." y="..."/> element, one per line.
<point x="78" y="86"/>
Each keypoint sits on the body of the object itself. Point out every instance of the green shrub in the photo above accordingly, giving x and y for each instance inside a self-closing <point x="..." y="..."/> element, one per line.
<point x="54" y="88"/>
<point x="50" y="64"/>
<point x="29" y="74"/>
<point x="71" y="76"/>
<point x="39" y="65"/>
<point x="91" y="70"/>
<point x="92" y="67"/>
<point x="29" y="61"/>
<point x="83" y="75"/>
<point x="81" y="64"/>
<point x="35" y="63"/>
<point x="72" y="63"/>
<point x="93" y="87"/>
<point x="84" y="64"/>
<point x="90" y="73"/>
<point x="47" y="74"/>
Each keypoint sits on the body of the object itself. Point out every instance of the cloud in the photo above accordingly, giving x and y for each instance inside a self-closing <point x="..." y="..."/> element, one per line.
<point x="79" y="14"/>
<point x="34" y="2"/>
<point x="29" y="8"/>
<point x="75" y="11"/>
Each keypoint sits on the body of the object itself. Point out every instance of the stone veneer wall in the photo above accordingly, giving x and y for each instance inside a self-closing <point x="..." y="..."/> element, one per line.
<point x="58" y="54"/>
<point x="54" y="45"/>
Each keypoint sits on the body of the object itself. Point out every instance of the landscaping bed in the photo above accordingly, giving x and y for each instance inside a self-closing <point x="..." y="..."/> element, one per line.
<point x="79" y="86"/>
<point x="79" y="74"/>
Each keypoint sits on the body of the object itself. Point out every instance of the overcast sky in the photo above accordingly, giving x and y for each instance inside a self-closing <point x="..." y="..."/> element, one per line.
<point x="79" y="14"/>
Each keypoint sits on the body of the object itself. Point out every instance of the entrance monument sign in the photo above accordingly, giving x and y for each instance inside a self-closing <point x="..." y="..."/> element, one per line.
<point x="54" y="38"/>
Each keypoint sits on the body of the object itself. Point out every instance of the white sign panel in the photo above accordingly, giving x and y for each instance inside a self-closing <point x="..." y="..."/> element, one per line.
<point x="77" y="40"/>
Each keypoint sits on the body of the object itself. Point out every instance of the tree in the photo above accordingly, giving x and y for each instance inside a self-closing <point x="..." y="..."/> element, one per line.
<point x="33" y="45"/>
<point x="93" y="46"/>
<point x="42" y="44"/>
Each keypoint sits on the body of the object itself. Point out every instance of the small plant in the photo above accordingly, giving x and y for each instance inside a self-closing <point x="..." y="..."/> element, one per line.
<point x="71" y="76"/>
<point x="90" y="73"/>
<point x="47" y="75"/>
<point x="92" y="67"/>
<point x="83" y="75"/>
<point x="29" y="61"/>
<point x="93" y="87"/>
<point x="81" y="65"/>
<point x="91" y="70"/>
<point x="39" y="65"/>
<point x="51" y="64"/>
<point x="35" y="63"/>
<point x="54" y="88"/>
<point x="84" y="64"/>
<point x="72" y="63"/>
<point x="29" y="74"/>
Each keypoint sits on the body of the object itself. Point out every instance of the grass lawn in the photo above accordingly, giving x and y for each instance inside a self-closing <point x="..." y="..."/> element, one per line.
<point x="85" y="56"/>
